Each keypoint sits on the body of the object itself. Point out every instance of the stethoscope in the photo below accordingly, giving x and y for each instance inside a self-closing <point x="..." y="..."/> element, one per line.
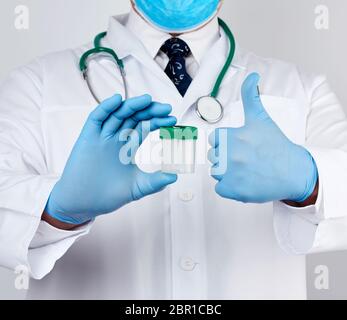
<point x="208" y="108"/>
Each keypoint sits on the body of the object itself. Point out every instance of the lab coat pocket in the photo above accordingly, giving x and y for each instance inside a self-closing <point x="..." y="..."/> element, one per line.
<point x="289" y="114"/>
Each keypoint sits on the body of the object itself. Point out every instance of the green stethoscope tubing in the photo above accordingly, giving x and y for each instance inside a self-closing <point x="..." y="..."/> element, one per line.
<point x="97" y="50"/>
<point x="100" y="49"/>
<point x="229" y="60"/>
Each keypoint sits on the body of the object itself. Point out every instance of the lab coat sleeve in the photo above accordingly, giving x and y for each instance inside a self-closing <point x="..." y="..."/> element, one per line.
<point x="49" y="245"/>
<point x="25" y="183"/>
<point x="322" y="227"/>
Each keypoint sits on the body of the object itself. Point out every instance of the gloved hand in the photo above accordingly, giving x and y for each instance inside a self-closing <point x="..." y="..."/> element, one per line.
<point x="261" y="163"/>
<point x="96" y="179"/>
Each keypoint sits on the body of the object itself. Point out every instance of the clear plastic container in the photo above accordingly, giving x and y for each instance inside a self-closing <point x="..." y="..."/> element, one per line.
<point x="179" y="148"/>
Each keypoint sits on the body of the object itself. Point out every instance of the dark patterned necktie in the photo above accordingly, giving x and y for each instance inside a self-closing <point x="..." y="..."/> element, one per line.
<point x="177" y="51"/>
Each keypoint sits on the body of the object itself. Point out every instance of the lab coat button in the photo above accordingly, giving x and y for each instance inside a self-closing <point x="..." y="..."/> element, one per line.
<point x="188" y="264"/>
<point x="186" y="196"/>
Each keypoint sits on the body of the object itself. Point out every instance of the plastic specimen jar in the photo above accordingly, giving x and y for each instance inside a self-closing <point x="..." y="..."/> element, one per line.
<point x="179" y="148"/>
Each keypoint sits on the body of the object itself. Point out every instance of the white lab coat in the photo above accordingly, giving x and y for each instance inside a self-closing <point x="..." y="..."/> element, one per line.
<point x="185" y="242"/>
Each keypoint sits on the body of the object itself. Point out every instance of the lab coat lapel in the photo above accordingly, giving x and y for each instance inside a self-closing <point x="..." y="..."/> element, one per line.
<point x="208" y="73"/>
<point x="126" y="44"/>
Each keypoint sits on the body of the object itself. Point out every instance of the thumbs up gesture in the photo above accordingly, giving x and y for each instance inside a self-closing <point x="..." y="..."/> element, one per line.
<point x="258" y="163"/>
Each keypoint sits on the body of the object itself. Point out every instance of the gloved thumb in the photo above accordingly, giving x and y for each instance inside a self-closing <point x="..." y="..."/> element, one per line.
<point x="253" y="107"/>
<point x="150" y="183"/>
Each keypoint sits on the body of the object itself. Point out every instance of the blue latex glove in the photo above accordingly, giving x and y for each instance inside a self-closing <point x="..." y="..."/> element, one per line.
<point x="96" y="180"/>
<point x="258" y="163"/>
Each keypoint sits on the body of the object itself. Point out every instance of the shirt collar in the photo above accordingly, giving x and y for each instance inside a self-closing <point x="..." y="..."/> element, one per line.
<point x="198" y="41"/>
<point x="129" y="33"/>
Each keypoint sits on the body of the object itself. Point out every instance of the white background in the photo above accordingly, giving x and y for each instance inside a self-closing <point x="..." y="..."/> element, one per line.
<point x="283" y="29"/>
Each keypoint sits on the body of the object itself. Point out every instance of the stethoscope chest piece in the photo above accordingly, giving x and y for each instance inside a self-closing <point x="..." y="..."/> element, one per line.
<point x="209" y="109"/>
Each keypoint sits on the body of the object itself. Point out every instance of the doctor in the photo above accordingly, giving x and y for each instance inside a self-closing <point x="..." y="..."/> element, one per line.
<point x="153" y="235"/>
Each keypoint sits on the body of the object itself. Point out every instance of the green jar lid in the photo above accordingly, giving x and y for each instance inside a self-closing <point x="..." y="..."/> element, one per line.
<point x="179" y="133"/>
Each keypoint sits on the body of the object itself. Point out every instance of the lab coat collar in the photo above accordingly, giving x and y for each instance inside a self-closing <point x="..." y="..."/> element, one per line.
<point x="125" y="44"/>
<point x="151" y="38"/>
<point x="122" y="40"/>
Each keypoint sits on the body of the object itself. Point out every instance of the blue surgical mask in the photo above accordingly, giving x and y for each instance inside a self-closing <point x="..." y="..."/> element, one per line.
<point x="177" y="16"/>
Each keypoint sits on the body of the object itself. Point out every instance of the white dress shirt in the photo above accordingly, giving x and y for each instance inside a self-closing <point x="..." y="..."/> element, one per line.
<point x="153" y="39"/>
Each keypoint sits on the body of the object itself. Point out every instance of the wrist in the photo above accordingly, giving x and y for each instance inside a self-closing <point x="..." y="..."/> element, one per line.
<point x="57" y="223"/>
<point x="312" y="200"/>
<point x="61" y="218"/>
<point x="308" y="179"/>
